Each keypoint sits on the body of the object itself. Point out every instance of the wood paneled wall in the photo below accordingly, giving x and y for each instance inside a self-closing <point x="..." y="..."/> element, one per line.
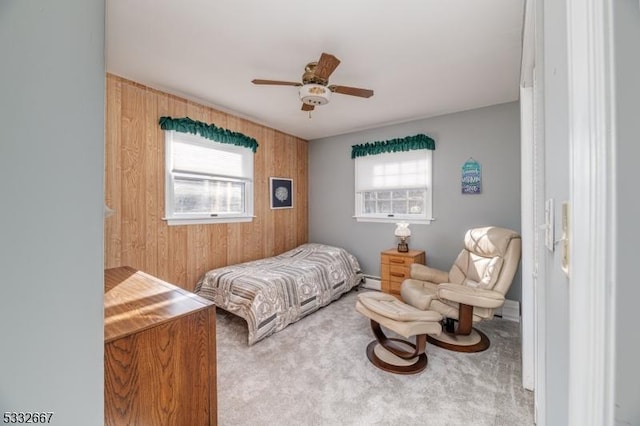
<point x="136" y="235"/>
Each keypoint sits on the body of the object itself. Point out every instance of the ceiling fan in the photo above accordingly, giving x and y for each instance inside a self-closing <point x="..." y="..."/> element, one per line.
<point x="315" y="89"/>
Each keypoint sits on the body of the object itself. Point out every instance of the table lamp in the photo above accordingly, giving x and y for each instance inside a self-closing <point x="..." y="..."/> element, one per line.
<point x="403" y="232"/>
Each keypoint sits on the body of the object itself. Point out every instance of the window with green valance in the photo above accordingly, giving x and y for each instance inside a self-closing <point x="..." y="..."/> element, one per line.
<point x="209" y="131"/>
<point x="409" y="143"/>
<point x="394" y="180"/>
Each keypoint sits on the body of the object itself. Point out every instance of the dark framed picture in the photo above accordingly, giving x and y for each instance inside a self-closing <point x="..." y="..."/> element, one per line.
<point x="281" y="190"/>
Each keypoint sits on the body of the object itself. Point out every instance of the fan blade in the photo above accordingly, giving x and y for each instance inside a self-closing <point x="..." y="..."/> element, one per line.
<point x="307" y="107"/>
<point x="353" y="91"/>
<point x="276" y="82"/>
<point x="326" y="65"/>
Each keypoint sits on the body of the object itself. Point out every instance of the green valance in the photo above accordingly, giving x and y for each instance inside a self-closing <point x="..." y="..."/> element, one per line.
<point x="409" y="143"/>
<point x="209" y="131"/>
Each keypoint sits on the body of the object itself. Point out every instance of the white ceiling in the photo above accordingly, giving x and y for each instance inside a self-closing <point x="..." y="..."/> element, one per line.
<point x="422" y="58"/>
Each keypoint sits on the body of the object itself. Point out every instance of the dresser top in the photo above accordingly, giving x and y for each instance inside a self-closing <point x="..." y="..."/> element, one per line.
<point x="134" y="301"/>
<point x="410" y="253"/>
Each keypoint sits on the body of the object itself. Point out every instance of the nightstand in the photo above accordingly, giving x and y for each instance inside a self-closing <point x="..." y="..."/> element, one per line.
<point x="394" y="268"/>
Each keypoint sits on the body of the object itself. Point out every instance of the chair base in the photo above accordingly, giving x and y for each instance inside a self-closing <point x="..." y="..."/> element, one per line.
<point x="476" y="341"/>
<point x="385" y="360"/>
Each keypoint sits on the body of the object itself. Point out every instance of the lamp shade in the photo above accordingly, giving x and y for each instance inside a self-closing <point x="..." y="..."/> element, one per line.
<point x="402" y="230"/>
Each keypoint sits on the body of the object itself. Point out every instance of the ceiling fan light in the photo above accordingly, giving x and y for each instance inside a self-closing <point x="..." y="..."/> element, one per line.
<point x="314" y="94"/>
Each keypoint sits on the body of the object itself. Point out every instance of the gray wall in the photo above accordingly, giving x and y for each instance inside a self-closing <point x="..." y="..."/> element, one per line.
<point x="51" y="186"/>
<point x="626" y="26"/>
<point x="490" y="135"/>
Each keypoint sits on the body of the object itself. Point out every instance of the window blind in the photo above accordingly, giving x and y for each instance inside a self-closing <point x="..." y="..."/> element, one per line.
<point x="398" y="170"/>
<point x="193" y="157"/>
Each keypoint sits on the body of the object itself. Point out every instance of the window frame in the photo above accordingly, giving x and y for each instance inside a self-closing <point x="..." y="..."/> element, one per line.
<point x="175" y="218"/>
<point x="425" y="218"/>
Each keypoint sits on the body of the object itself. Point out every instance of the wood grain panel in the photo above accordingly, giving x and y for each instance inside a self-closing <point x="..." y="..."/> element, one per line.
<point x="251" y="238"/>
<point x="279" y="168"/>
<point x="153" y="156"/>
<point x="162" y="248"/>
<point x="137" y="236"/>
<point x="113" y="223"/>
<point x="268" y="234"/>
<point x="301" y="190"/>
<point x="291" y="154"/>
<point x="133" y="178"/>
<point x="160" y="376"/>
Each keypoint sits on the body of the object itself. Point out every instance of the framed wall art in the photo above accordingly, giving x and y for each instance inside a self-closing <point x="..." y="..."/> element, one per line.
<point x="281" y="190"/>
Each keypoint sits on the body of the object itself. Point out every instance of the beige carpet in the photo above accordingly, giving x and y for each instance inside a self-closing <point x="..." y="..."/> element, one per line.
<point x="316" y="372"/>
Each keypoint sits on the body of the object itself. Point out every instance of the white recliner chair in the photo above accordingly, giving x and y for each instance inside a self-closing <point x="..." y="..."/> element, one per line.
<point x="470" y="292"/>
<point x="473" y="288"/>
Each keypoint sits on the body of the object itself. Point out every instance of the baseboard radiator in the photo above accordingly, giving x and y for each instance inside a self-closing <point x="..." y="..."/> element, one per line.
<point x="372" y="283"/>
<point x="509" y="311"/>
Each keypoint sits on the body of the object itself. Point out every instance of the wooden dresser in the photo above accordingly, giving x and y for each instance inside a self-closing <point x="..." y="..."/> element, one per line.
<point x="159" y="352"/>
<point x="394" y="268"/>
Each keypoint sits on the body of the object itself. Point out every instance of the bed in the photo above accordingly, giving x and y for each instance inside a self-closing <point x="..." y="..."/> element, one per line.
<point x="274" y="292"/>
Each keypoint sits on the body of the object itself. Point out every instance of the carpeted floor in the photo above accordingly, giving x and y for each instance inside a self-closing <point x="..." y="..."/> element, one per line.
<point x="316" y="372"/>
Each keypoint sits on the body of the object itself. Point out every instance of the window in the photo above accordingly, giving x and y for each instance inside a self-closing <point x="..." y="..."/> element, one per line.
<point x="206" y="181"/>
<point x="394" y="186"/>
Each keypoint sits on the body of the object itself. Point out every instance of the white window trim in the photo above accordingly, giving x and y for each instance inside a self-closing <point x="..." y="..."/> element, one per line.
<point x="208" y="220"/>
<point x="393" y="218"/>
<point x="200" y="219"/>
